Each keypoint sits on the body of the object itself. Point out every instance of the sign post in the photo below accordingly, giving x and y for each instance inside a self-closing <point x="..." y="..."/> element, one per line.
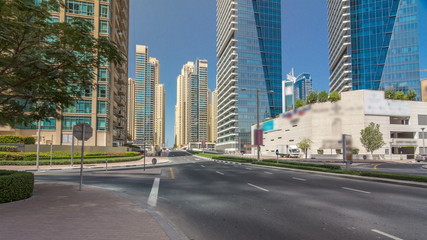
<point x="277" y="155"/>
<point x="83" y="132"/>
<point x="347" y="150"/>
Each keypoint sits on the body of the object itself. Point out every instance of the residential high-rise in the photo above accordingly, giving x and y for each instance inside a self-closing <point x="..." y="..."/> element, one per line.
<point x="147" y="76"/>
<point x="294" y="88"/>
<point x="104" y="108"/>
<point x="159" y="121"/>
<point x="374" y="45"/>
<point x="212" y="121"/>
<point x="191" y="110"/>
<point x="424" y="90"/>
<point x="249" y="61"/>
<point x="131" y="108"/>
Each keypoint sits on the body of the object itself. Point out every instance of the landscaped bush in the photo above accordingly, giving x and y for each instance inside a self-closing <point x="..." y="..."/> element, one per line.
<point x="303" y="164"/>
<point x="11" y="139"/>
<point x="10" y="156"/>
<point x="17" y="139"/>
<point x="319" y="151"/>
<point x="15" y="185"/>
<point x="7" y="148"/>
<point x="355" y="151"/>
<point x="29" y="140"/>
<point x="68" y="161"/>
<point x="62" y="155"/>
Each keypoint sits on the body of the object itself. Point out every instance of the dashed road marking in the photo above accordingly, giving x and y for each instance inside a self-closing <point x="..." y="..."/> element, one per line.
<point x="299" y="179"/>
<point x="202" y="165"/>
<point x="255" y="186"/>
<point x="355" y="190"/>
<point x="268" y="173"/>
<point x="375" y="167"/>
<point x="172" y="175"/>
<point x="219" y="172"/>
<point x="386" y="234"/>
<point x="152" y="199"/>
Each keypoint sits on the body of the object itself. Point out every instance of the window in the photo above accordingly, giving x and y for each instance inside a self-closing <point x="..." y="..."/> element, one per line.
<point x="82" y="8"/>
<point x="104" y="11"/>
<point x="102" y="107"/>
<point x="70" y="19"/>
<point x="68" y="122"/>
<point x="81" y="106"/>
<point x="49" y="124"/>
<point x="103" y="91"/>
<point x="101" y="123"/>
<point x="67" y="138"/>
<point x="105" y="0"/>
<point x="103" y="75"/>
<point x="422" y="119"/>
<point x="104" y="27"/>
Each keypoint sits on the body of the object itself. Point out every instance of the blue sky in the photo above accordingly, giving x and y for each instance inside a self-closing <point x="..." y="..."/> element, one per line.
<point x="177" y="31"/>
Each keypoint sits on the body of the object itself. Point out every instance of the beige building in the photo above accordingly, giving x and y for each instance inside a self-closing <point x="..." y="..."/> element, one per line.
<point x="131" y="108"/>
<point x="324" y="123"/>
<point x="424" y="90"/>
<point x="104" y="108"/>
<point x="159" y="114"/>
<point x="212" y="119"/>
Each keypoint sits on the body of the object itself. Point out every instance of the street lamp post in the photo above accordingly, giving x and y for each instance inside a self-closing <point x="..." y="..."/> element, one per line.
<point x="39" y="124"/>
<point x="424" y="146"/>
<point x="257" y="115"/>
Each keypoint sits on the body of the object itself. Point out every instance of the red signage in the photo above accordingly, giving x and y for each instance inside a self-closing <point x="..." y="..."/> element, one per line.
<point x="258" y="137"/>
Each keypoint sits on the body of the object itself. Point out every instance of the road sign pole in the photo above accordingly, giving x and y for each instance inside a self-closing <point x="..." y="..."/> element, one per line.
<point x="72" y="148"/>
<point x="82" y="158"/>
<point x="145" y="153"/>
<point x="51" y="143"/>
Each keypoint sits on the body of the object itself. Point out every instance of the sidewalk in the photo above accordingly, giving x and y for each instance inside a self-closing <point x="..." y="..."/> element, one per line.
<point x="148" y="161"/>
<point x="59" y="211"/>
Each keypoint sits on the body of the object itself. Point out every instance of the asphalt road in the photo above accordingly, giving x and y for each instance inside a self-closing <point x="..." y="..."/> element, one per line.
<point x="210" y="200"/>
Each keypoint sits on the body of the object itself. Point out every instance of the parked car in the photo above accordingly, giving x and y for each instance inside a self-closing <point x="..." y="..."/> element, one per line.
<point x="421" y="158"/>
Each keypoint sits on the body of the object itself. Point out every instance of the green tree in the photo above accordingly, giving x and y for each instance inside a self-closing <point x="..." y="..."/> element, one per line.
<point x="299" y="103"/>
<point x="400" y="96"/>
<point x="371" y="137"/>
<point x="305" y="144"/>
<point x="312" y="97"/>
<point x="389" y="94"/>
<point x="323" y="96"/>
<point x="44" y="64"/>
<point x="411" y="95"/>
<point x="334" y="96"/>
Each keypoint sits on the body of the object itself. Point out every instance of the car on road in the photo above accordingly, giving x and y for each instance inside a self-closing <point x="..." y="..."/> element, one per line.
<point x="421" y="158"/>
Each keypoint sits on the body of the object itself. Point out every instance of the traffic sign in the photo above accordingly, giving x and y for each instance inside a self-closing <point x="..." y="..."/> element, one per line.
<point x="78" y="131"/>
<point x="277" y="152"/>
<point x="154" y="161"/>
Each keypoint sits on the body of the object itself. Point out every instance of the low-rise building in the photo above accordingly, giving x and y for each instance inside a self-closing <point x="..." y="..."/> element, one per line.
<point x="401" y="124"/>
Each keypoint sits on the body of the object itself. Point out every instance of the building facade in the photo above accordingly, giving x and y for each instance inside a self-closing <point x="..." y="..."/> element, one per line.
<point x="159" y="122"/>
<point x="374" y="45"/>
<point x="212" y="119"/>
<point x="131" y="109"/>
<point x="400" y="122"/>
<point x="294" y="88"/>
<point x="249" y="62"/>
<point x="191" y="110"/>
<point x="147" y="77"/>
<point x="104" y="108"/>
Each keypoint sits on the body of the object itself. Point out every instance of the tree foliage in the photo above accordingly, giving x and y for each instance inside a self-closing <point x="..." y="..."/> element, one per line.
<point x="305" y="144"/>
<point x="312" y="97"/>
<point x="334" y="96"/>
<point x="299" y="103"/>
<point x="371" y="137"/>
<point x="323" y="96"/>
<point x="411" y="95"/>
<point x="44" y="64"/>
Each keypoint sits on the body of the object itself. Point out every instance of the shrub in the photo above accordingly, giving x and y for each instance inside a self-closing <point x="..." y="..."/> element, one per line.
<point x="6" y="148"/>
<point x="11" y="139"/>
<point x="355" y="151"/>
<point x="29" y="140"/>
<point x="319" y="151"/>
<point x="10" y="156"/>
<point x="338" y="151"/>
<point x="15" y="185"/>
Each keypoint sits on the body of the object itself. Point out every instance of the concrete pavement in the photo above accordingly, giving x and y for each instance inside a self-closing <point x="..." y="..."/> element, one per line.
<point x="60" y="211"/>
<point x="148" y="161"/>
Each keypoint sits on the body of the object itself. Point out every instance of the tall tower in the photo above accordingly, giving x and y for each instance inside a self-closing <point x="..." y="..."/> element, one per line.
<point x="191" y="110"/>
<point x="131" y="109"/>
<point x="147" y="75"/>
<point x="249" y="60"/>
<point x="374" y="45"/>
<point x="159" y="121"/>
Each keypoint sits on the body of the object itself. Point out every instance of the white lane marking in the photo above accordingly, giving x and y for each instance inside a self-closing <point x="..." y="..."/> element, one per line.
<point x="152" y="199"/>
<point x="202" y="165"/>
<point x="255" y="186"/>
<point x="300" y="179"/>
<point x="386" y="234"/>
<point x="355" y="190"/>
<point x="268" y="173"/>
<point x="219" y="172"/>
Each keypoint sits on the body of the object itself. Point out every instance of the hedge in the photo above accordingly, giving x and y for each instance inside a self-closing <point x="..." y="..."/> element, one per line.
<point x="7" y="148"/>
<point x="15" y="185"/>
<point x="329" y="166"/>
<point x="17" y="139"/>
<point x="67" y="161"/>
<point x="62" y="155"/>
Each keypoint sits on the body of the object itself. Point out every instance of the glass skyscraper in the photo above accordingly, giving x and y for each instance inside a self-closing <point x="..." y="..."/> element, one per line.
<point x="249" y="60"/>
<point x="294" y="88"/>
<point x="374" y="45"/>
